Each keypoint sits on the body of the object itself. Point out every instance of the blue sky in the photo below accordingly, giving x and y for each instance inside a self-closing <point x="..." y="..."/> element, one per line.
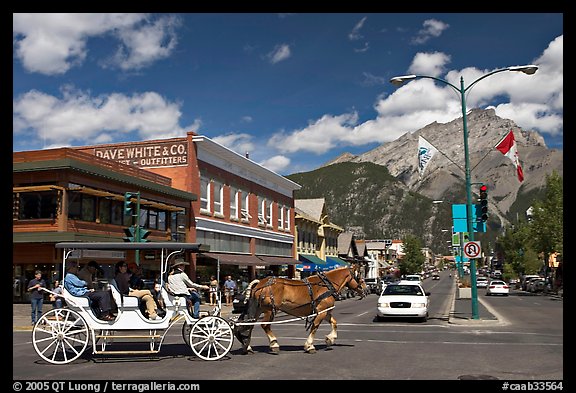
<point x="293" y="90"/>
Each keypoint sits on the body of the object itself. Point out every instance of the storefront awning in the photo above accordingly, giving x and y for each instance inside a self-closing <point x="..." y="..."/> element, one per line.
<point x="336" y="262"/>
<point x="268" y="260"/>
<point x="311" y="259"/>
<point x="309" y="263"/>
<point x="234" y="259"/>
<point x="252" y="260"/>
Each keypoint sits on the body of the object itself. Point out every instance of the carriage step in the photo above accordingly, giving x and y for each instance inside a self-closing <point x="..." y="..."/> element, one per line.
<point x="147" y="352"/>
<point x="129" y="336"/>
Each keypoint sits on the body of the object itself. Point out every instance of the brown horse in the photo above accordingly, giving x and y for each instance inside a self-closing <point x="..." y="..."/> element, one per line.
<point x="313" y="297"/>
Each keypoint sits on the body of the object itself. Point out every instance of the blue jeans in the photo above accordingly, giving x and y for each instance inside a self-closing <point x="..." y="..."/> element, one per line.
<point x="195" y="299"/>
<point x="36" y="308"/>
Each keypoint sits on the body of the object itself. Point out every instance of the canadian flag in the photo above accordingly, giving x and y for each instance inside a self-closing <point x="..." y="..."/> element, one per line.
<point x="507" y="146"/>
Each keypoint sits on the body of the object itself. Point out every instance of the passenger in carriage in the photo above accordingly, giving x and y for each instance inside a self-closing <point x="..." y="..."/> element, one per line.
<point x="130" y="284"/>
<point x="89" y="273"/>
<point x="77" y="287"/>
<point x="181" y="285"/>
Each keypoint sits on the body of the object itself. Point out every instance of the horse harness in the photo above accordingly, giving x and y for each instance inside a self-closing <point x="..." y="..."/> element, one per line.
<point x="325" y="282"/>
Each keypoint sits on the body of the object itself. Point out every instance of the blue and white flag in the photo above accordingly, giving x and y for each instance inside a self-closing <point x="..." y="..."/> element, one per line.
<point x="425" y="153"/>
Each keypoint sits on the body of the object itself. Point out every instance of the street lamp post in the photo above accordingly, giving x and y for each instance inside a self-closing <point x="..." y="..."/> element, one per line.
<point x="399" y="80"/>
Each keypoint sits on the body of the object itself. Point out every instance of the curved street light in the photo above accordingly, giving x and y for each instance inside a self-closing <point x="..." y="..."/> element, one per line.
<point x="399" y="80"/>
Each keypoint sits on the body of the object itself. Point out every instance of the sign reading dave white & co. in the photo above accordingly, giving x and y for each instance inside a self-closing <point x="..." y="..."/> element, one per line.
<point x="152" y="154"/>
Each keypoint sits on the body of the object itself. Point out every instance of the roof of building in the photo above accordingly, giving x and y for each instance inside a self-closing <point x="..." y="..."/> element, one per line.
<point x="313" y="208"/>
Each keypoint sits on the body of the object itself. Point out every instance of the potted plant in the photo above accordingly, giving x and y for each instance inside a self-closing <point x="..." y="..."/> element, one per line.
<point x="464" y="288"/>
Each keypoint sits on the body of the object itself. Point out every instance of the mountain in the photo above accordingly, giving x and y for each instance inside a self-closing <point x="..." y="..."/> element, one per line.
<point x="379" y="193"/>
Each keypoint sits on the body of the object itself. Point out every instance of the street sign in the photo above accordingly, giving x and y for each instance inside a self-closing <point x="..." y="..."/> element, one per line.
<point x="472" y="249"/>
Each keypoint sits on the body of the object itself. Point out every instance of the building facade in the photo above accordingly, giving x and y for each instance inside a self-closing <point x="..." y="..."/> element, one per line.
<point x="316" y="236"/>
<point x="192" y="188"/>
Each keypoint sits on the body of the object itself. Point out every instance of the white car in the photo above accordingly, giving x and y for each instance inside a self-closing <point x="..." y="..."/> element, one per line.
<point x="481" y="282"/>
<point x="497" y="287"/>
<point x="405" y="299"/>
<point x="413" y="277"/>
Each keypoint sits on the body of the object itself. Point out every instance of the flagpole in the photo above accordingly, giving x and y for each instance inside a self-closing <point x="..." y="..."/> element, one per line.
<point x="399" y="80"/>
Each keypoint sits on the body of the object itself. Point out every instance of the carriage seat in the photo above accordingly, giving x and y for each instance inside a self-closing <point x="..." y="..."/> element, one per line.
<point x="122" y="300"/>
<point x="171" y="298"/>
<point x="79" y="301"/>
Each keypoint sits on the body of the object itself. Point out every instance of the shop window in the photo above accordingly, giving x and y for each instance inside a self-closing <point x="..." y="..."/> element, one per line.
<point x="34" y="205"/>
<point x="105" y="211"/>
<point x="233" y="203"/>
<point x="204" y="194"/>
<point x="218" y="197"/>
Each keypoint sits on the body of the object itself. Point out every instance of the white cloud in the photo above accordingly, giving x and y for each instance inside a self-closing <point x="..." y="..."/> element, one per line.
<point x="319" y="137"/>
<point x="279" y="53"/>
<point x="240" y="143"/>
<point x="276" y="163"/>
<point x="355" y="33"/>
<point x="52" y="44"/>
<point x="535" y="102"/>
<point x="432" y="64"/>
<point x="431" y="28"/>
<point x="79" y="118"/>
<point x="363" y="49"/>
<point x="147" y="44"/>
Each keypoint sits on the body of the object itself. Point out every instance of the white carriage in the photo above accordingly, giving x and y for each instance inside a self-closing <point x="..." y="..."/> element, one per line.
<point x="61" y="335"/>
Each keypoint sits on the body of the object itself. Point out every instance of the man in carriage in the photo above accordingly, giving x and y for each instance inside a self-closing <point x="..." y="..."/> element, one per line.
<point x="180" y="284"/>
<point x="102" y="302"/>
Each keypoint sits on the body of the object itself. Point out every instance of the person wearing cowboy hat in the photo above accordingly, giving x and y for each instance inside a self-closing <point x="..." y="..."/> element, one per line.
<point x="181" y="285"/>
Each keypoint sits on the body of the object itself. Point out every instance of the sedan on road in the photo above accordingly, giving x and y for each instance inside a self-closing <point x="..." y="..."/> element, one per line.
<point x="497" y="287"/>
<point x="481" y="282"/>
<point x="405" y="299"/>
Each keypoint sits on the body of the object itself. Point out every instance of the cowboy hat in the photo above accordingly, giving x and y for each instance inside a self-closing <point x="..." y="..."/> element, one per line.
<point x="178" y="262"/>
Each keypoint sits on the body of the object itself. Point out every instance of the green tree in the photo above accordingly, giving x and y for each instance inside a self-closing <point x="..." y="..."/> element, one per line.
<point x="547" y="226"/>
<point x="516" y="249"/>
<point x="413" y="259"/>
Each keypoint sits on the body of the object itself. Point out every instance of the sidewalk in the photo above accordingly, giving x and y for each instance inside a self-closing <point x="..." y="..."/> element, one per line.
<point x="21" y="314"/>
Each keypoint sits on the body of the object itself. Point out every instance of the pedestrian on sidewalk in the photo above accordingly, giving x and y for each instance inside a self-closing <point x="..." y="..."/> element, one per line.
<point x="36" y="295"/>
<point x="229" y="288"/>
<point x="213" y="291"/>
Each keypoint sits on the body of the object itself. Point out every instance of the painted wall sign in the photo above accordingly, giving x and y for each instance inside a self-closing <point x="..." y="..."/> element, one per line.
<point x="156" y="154"/>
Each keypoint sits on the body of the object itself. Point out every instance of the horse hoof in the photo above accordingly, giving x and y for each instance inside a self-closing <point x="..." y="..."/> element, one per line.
<point x="311" y="350"/>
<point x="246" y="351"/>
<point x="329" y="342"/>
<point x="275" y="350"/>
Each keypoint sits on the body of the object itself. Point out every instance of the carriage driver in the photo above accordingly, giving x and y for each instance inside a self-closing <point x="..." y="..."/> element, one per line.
<point x="181" y="285"/>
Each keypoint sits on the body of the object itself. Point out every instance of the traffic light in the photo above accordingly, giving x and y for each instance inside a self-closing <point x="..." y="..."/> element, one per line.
<point x="483" y="203"/>
<point x="128" y="204"/>
<point x="143" y="235"/>
<point x="130" y="234"/>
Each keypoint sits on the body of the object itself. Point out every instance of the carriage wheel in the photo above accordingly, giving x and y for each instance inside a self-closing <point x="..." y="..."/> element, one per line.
<point x="186" y="329"/>
<point x="60" y="336"/>
<point x="211" y="338"/>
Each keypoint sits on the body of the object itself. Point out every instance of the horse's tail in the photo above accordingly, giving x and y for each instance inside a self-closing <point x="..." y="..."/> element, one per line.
<point x="244" y="332"/>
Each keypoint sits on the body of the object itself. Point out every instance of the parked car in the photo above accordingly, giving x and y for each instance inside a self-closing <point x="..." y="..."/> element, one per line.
<point x="372" y="284"/>
<point x="526" y="279"/>
<point x="435" y="276"/>
<point x="537" y="284"/>
<point x="405" y="299"/>
<point x="497" y="287"/>
<point x="481" y="282"/>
